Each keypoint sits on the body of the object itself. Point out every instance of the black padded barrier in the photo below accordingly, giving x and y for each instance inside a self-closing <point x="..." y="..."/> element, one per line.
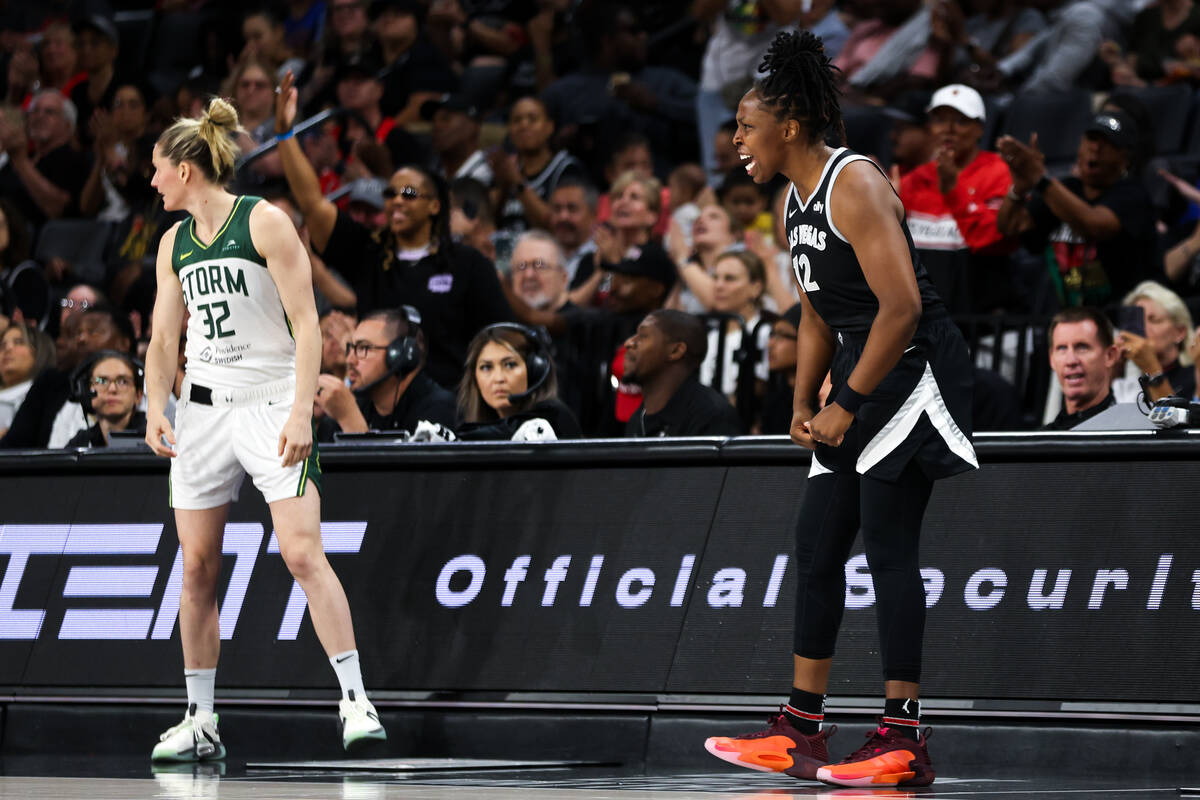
<point x="1064" y="567"/>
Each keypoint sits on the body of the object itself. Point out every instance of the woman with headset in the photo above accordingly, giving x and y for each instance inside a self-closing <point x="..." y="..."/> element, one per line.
<point x="509" y="389"/>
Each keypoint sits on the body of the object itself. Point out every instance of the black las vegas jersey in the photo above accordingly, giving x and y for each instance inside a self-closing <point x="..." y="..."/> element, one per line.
<point x="825" y="265"/>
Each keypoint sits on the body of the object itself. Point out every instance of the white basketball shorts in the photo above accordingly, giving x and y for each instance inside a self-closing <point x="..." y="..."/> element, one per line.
<point x="236" y="433"/>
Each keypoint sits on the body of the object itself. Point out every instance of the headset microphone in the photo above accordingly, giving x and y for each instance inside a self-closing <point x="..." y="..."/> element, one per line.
<point x="538" y="363"/>
<point x="403" y="354"/>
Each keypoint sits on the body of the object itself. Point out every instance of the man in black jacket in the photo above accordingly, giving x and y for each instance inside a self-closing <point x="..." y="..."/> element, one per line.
<point x="663" y="357"/>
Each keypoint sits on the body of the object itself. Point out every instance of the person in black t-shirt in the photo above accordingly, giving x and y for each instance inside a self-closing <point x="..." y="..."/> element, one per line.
<point x="1083" y="351"/>
<point x="1099" y="226"/>
<point x="388" y="390"/>
<point x="509" y="389"/>
<point x="663" y="357"/>
<point x="115" y="382"/>
<point x="411" y="260"/>
<point x="43" y="183"/>
<point x="415" y="70"/>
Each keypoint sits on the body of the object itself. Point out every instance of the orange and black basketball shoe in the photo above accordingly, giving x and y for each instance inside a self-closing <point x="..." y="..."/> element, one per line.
<point x="779" y="748"/>
<point x="887" y="759"/>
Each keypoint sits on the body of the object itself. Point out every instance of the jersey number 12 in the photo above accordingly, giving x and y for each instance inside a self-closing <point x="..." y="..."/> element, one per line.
<point x="803" y="271"/>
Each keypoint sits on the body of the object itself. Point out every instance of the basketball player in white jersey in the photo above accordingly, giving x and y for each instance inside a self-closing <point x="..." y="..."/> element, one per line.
<point x="238" y="268"/>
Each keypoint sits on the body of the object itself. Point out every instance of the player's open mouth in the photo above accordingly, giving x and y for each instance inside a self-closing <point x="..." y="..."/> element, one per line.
<point x="750" y="163"/>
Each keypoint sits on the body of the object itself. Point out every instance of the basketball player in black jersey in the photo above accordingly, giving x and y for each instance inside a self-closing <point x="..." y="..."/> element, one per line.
<point x="898" y="416"/>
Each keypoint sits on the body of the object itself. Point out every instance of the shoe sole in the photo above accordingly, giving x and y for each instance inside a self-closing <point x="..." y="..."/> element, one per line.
<point x="803" y="769"/>
<point x="188" y="756"/>
<point x="362" y="739"/>
<point x="886" y="779"/>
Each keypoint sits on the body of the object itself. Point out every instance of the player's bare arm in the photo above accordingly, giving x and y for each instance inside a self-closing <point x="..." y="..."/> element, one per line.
<point x="162" y="356"/>
<point x="276" y="240"/>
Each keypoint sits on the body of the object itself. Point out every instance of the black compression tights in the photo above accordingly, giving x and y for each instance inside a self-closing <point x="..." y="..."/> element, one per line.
<point x="890" y="515"/>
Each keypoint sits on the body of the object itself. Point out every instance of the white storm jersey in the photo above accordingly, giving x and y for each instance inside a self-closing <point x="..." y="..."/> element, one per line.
<point x="237" y="332"/>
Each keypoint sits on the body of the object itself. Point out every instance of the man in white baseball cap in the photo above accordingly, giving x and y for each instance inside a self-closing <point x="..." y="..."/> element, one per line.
<point x="952" y="202"/>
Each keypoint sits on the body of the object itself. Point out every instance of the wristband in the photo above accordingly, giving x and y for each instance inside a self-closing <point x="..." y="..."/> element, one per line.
<point x="849" y="399"/>
<point x="1043" y="184"/>
<point x="289" y="133"/>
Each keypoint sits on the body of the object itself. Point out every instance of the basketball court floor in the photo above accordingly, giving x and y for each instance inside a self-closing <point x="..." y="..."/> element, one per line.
<point x="87" y="778"/>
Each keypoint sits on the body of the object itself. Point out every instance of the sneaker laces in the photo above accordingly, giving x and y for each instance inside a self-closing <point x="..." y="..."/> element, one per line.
<point x="873" y="746"/>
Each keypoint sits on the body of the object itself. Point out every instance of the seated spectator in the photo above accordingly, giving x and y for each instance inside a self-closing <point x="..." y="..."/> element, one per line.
<point x="118" y="184"/>
<point x="304" y="23"/>
<point x="951" y="204"/>
<point x="740" y="35"/>
<point x="25" y="352"/>
<point x="525" y="180"/>
<point x="1098" y="224"/>
<point x="114" y="381"/>
<point x="45" y="418"/>
<point x="1162" y="354"/>
<point x="713" y="234"/>
<point x="1082" y="355"/>
<point x="252" y="87"/>
<point x="359" y="89"/>
<point x="509" y="388"/>
<point x="739" y="281"/>
<point x="572" y="217"/>
<point x="779" y="401"/>
<point x="912" y="145"/>
<point x="388" y="390"/>
<point x="663" y="357"/>
<point x="485" y="38"/>
<point x="539" y="277"/>
<point x="631" y="153"/>
<point x="1055" y="58"/>
<point x="746" y="202"/>
<point x="59" y="59"/>
<point x="619" y="93"/>
<point x="1164" y="46"/>
<point x="337" y="330"/>
<point x="78" y="299"/>
<point x="264" y="30"/>
<point x="896" y="48"/>
<point x="411" y="261"/>
<point x="44" y="172"/>
<point x="97" y="43"/>
<point x="539" y="280"/>
<point x="455" y="134"/>
<point x="995" y="30"/>
<point x="416" y="70"/>
<point x="628" y="233"/>
<point x="687" y="188"/>
<point x="473" y="220"/>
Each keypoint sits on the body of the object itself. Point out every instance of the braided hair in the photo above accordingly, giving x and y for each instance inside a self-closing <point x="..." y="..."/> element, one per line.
<point x="800" y="84"/>
<point x="439" y="223"/>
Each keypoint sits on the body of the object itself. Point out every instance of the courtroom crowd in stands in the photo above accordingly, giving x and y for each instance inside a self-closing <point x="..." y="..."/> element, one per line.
<point x="527" y="219"/>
